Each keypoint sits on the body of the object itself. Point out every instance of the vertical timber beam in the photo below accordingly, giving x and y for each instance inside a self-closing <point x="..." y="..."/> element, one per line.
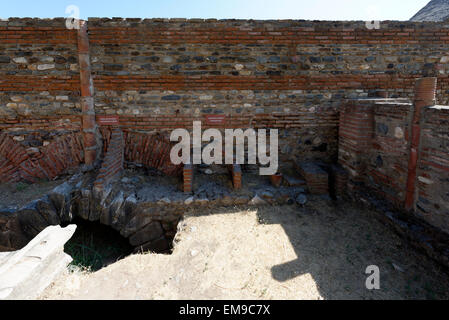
<point x="87" y="93"/>
<point x="425" y="90"/>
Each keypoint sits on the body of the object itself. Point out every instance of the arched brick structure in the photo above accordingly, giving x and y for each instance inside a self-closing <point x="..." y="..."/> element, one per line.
<point x="150" y="150"/>
<point x="17" y="164"/>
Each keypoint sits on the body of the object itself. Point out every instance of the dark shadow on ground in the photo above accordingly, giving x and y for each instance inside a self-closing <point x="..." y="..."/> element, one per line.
<point x="335" y="243"/>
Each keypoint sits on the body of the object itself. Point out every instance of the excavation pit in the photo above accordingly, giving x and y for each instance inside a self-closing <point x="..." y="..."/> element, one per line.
<point x="94" y="246"/>
<point x="143" y="206"/>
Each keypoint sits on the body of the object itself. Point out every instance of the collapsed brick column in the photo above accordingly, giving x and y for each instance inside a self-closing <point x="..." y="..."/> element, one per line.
<point x="112" y="166"/>
<point x="87" y="93"/>
<point x="425" y="90"/>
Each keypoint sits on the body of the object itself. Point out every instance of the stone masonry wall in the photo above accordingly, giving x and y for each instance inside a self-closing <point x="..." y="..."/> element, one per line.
<point x="292" y="75"/>
<point x="160" y="74"/>
<point x="39" y="99"/>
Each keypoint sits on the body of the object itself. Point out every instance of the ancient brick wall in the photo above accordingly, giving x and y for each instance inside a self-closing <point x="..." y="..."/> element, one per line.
<point x="374" y="146"/>
<point x="387" y="158"/>
<point x="39" y="99"/>
<point x="432" y="203"/>
<point x="38" y="68"/>
<point x="376" y="149"/>
<point x="292" y="75"/>
<point x="160" y="74"/>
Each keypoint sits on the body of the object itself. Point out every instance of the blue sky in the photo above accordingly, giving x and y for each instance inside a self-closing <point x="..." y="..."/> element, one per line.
<point x="242" y="9"/>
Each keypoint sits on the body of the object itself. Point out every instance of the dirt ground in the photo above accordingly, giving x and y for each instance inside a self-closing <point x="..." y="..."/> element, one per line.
<point x="320" y="251"/>
<point x="21" y="193"/>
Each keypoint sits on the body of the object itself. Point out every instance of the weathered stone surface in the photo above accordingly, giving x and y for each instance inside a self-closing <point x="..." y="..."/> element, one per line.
<point x="12" y="236"/>
<point x="125" y="213"/>
<point x="20" y="60"/>
<point x="227" y="200"/>
<point x="106" y="205"/>
<point x="293" y="182"/>
<point x="60" y="197"/>
<point x="164" y="201"/>
<point x="241" y="200"/>
<point x="257" y="201"/>
<point x="24" y="274"/>
<point x="100" y="197"/>
<point x="203" y="201"/>
<point x="148" y="233"/>
<point x="84" y="203"/>
<point x="45" y="66"/>
<point x="159" y="245"/>
<point x="435" y="10"/>
<point x="266" y="195"/>
<point x="47" y="210"/>
<point x="30" y="220"/>
<point x="130" y="205"/>
<point x="301" y="199"/>
<point x="141" y="218"/>
<point x="4" y="59"/>
<point x="117" y="211"/>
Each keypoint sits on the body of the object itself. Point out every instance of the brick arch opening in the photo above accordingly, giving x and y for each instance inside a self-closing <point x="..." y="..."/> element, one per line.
<point x="151" y="150"/>
<point x="143" y="226"/>
<point x="94" y="245"/>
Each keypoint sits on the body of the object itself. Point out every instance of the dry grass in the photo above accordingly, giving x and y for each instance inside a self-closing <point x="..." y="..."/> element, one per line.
<point x="286" y="252"/>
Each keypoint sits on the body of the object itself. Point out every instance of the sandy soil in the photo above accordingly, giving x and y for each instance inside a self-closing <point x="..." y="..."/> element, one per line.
<point x="286" y="252"/>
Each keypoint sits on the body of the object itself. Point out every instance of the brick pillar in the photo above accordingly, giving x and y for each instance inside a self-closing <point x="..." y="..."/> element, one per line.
<point x="87" y="93"/>
<point x="187" y="175"/>
<point x="425" y="90"/>
<point x="236" y="172"/>
<point x="356" y="130"/>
